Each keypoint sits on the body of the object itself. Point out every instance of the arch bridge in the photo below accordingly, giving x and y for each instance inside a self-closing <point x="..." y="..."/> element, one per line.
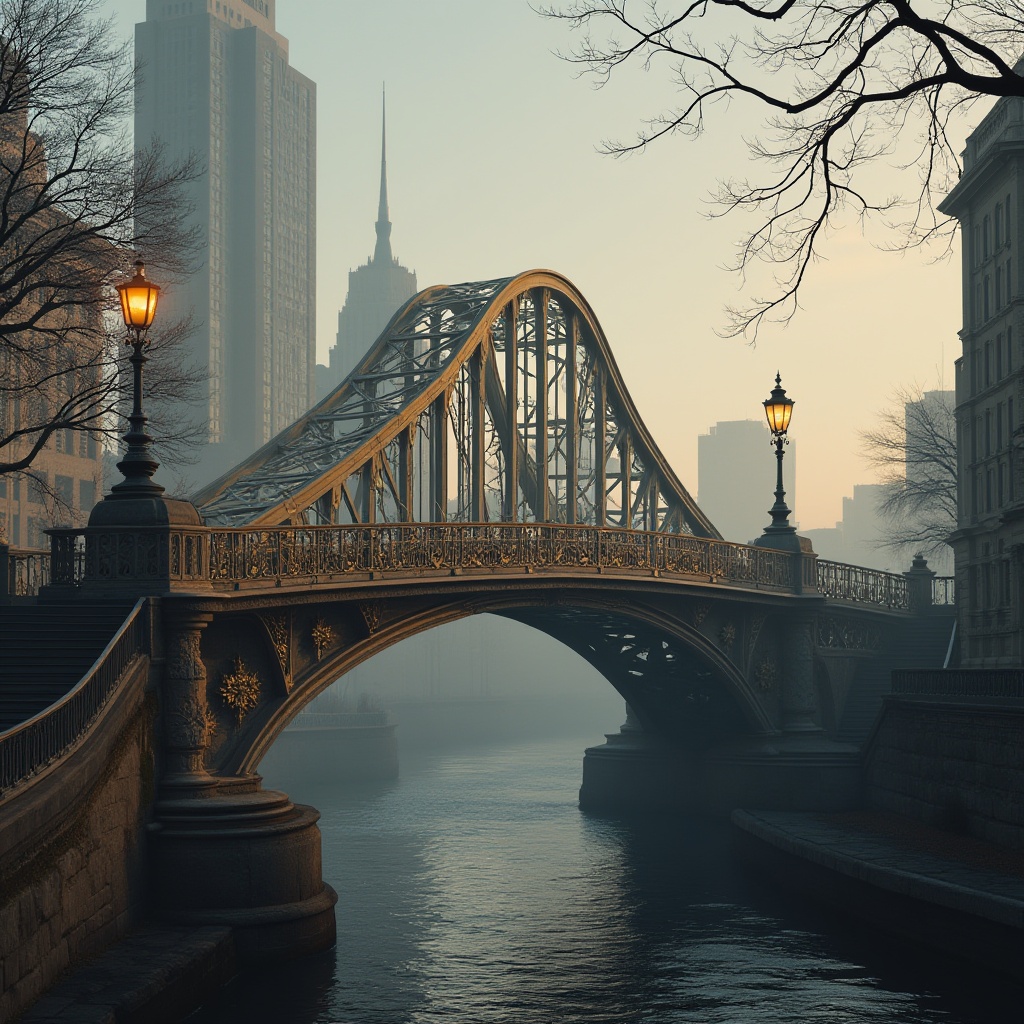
<point x="484" y="456"/>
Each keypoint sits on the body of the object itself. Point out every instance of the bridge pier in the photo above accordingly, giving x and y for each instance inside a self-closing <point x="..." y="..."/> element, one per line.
<point x="247" y="858"/>
<point x="223" y="850"/>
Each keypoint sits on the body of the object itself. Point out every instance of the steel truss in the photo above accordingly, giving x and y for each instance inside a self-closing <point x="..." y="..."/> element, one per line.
<point x="494" y="401"/>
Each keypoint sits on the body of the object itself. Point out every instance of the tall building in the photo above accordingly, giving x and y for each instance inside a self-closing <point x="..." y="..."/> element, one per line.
<point x="988" y="544"/>
<point x="736" y="477"/>
<point x="215" y="81"/>
<point x="375" y="291"/>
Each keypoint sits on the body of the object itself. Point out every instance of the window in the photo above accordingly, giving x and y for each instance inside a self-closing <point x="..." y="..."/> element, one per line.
<point x="976" y="247"/>
<point x="999" y="427"/>
<point x="999" y="287"/>
<point x="975" y="382"/>
<point x="1009" y="282"/>
<point x="988" y="363"/>
<point x="64" y="487"/>
<point x="1001" y="486"/>
<point x="988" y="433"/>
<point x="1009" y="350"/>
<point x="86" y="495"/>
<point x="1006" y="213"/>
<point x="999" y="225"/>
<point x="986" y="234"/>
<point x="990" y="480"/>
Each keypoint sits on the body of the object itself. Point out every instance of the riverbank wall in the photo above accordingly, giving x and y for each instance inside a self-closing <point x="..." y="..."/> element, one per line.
<point x="955" y="763"/>
<point x="73" y="849"/>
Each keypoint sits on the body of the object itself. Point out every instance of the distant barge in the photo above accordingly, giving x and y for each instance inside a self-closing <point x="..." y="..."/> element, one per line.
<point x="341" y="746"/>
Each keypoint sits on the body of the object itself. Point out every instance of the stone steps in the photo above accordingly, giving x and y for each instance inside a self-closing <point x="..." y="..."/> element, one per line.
<point x="922" y="643"/>
<point x="45" y="649"/>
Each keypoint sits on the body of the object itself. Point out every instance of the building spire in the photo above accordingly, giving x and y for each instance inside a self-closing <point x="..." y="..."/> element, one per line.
<point x="382" y="253"/>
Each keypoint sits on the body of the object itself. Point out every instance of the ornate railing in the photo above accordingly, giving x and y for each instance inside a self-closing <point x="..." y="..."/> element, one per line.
<point x="961" y="683"/>
<point x="29" y="747"/>
<point x="27" y="571"/>
<point x="867" y="586"/>
<point x="279" y="554"/>
<point x="944" y="590"/>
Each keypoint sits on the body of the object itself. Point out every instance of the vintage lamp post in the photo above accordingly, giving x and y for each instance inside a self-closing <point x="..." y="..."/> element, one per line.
<point x="779" y="410"/>
<point x="139" y="298"/>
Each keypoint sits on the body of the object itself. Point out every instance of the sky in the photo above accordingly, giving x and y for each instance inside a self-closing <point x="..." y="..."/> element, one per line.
<point x="494" y="168"/>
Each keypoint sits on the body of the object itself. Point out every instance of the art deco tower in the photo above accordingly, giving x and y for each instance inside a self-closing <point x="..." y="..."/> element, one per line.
<point x="375" y="291"/>
<point x="215" y="81"/>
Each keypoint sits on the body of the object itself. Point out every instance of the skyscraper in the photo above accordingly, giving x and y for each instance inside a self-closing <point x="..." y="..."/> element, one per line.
<point x="736" y="478"/>
<point x="215" y="81"/>
<point x="375" y="291"/>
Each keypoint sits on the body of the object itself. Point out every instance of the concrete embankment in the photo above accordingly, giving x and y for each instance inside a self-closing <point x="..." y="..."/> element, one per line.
<point x="950" y="892"/>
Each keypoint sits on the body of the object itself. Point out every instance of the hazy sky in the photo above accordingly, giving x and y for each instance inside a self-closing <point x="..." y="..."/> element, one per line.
<point x="493" y="169"/>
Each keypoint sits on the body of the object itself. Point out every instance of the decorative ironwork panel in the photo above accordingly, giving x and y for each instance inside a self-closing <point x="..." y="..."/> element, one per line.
<point x="516" y="412"/>
<point x="865" y="586"/>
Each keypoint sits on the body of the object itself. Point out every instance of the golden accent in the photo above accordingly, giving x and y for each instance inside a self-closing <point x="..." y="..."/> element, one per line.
<point x="323" y="637"/>
<point x="240" y="689"/>
<point x="277" y="627"/>
<point x="372" y="612"/>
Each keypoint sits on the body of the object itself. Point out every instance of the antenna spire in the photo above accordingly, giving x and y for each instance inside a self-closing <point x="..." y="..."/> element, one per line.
<point x="382" y="252"/>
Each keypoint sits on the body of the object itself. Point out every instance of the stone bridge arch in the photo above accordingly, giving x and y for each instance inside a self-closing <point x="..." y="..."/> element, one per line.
<point x="693" y="670"/>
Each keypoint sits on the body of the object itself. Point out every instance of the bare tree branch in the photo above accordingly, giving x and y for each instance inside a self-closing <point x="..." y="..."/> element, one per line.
<point x="914" y="449"/>
<point x="77" y="205"/>
<point x="841" y="82"/>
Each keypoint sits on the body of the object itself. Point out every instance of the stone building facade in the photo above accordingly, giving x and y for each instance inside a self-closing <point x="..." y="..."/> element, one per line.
<point x="988" y="542"/>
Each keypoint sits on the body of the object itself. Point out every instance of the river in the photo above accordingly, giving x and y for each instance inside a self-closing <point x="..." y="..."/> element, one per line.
<point x="473" y="889"/>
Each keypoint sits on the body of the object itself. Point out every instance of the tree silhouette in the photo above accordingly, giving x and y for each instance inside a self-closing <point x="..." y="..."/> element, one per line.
<point x="914" y="448"/>
<point x="78" y="204"/>
<point x="841" y="84"/>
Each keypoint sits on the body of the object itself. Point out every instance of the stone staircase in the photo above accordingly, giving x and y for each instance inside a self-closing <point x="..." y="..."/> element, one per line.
<point x="45" y="649"/>
<point x="921" y="643"/>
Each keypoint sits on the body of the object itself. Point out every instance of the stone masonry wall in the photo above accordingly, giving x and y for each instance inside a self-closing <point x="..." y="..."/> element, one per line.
<point x="76" y="883"/>
<point x="955" y="766"/>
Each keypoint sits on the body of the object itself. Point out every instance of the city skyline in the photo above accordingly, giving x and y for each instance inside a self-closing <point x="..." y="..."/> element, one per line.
<point x="631" y="234"/>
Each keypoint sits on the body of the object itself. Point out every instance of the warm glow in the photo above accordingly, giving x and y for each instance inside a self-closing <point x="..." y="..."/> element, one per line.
<point x="778" y="408"/>
<point x="138" y="299"/>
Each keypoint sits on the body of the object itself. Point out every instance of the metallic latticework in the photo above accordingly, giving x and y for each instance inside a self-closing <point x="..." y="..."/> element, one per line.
<point x="495" y="401"/>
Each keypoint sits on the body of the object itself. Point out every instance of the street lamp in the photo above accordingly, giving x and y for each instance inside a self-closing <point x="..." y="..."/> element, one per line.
<point x="139" y="298"/>
<point x="779" y="410"/>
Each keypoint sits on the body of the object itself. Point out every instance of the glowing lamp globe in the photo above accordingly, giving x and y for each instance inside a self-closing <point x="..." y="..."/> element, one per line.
<point x="139" y="298"/>
<point x="778" y="408"/>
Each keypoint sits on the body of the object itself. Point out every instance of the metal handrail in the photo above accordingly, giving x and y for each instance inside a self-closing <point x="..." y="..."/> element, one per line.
<point x="27" y="571"/>
<point x="844" y="582"/>
<point x="30" y="746"/>
<point x="990" y="683"/>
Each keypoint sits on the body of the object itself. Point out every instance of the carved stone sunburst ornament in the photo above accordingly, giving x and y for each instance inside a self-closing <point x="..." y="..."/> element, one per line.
<point x="727" y="636"/>
<point x="240" y="689"/>
<point x="766" y="673"/>
<point x="323" y="637"/>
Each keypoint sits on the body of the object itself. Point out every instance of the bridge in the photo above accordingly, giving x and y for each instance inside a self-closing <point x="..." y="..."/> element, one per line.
<point x="484" y="456"/>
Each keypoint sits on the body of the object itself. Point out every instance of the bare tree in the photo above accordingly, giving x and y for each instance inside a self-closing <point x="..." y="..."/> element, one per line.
<point x="841" y="83"/>
<point x="914" y="448"/>
<point x="77" y="205"/>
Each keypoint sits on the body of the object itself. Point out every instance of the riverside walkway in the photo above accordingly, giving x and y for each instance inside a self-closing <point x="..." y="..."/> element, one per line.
<point x="948" y="891"/>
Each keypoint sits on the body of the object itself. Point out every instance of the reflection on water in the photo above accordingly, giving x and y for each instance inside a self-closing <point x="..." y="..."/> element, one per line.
<point x="473" y="889"/>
